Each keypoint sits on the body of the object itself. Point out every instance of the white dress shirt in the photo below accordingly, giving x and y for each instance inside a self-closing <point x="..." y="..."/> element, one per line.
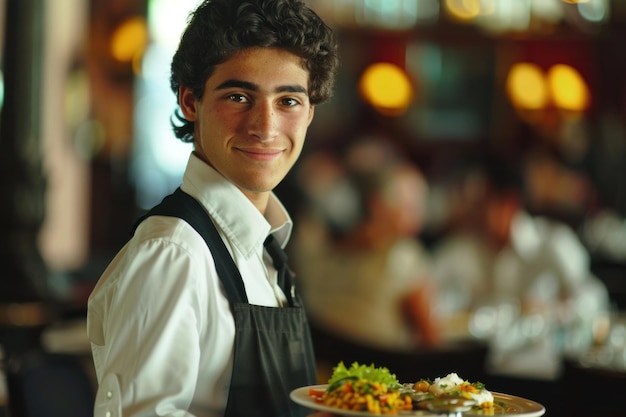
<point x="160" y="326"/>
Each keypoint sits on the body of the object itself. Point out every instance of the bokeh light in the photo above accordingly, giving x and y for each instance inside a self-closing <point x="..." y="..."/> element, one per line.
<point x="596" y="11"/>
<point x="463" y="9"/>
<point x="568" y="88"/>
<point x="526" y="86"/>
<point x="387" y="88"/>
<point x="1" y="89"/>
<point x="129" y="40"/>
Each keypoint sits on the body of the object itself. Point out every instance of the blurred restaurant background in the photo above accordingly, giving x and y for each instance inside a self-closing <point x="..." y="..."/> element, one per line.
<point x="86" y="144"/>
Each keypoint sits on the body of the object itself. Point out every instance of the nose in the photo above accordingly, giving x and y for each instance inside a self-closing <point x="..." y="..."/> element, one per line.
<point x="263" y="121"/>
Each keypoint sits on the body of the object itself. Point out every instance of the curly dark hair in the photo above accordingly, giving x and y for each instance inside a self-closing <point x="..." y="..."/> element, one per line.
<point x="219" y="28"/>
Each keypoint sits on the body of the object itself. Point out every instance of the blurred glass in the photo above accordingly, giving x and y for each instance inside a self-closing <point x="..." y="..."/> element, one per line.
<point x="493" y="317"/>
<point x="609" y="350"/>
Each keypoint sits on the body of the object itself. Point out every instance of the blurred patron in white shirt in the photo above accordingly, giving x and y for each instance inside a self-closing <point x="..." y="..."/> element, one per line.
<point x="364" y="275"/>
<point x="523" y="281"/>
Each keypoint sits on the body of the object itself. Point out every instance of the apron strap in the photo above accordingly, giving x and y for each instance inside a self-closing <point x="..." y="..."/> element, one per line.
<point x="182" y="205"/>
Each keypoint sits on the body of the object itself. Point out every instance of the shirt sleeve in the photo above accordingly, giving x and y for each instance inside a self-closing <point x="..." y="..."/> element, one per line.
<point x="150" y="316"/>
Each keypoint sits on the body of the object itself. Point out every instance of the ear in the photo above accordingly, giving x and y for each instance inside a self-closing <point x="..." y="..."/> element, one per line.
<point x="188" y="103"/>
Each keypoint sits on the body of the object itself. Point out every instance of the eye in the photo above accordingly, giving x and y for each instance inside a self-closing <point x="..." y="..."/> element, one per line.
<point x="238" y="98"/>
<point x="290" y="102"/>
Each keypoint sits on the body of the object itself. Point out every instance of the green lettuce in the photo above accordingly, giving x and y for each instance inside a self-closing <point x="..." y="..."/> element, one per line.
<point x="356" y="371"/>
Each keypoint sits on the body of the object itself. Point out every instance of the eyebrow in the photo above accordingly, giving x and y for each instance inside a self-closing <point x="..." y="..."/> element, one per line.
<point x="246" y="85"/>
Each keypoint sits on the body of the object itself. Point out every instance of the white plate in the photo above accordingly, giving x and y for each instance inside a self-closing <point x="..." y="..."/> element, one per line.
<point x="519" y="407"/>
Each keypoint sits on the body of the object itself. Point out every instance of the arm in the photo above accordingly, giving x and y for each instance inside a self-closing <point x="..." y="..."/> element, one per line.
<point x="417" y="307"/>
<point x="411" y="265"/>
<point x="148" y="307"/>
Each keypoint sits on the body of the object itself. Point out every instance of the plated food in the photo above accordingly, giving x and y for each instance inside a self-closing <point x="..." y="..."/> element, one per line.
<point x="367" y="390"/>
<point x="452" y="386"/>
<point x="364" y="388"/>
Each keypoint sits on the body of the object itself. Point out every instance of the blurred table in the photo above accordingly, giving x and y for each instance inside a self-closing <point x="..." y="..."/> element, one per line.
<point x="67" y="337"/>
<point x="70" y="338"/>
<point x="593" y="391"/>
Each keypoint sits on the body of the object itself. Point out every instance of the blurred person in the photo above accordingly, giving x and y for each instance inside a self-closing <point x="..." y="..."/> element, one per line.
<point x="554" y="189"/>
<point x="526" y="279"/>
<point x="363" y="273"/>
<point x="191" y="317"/>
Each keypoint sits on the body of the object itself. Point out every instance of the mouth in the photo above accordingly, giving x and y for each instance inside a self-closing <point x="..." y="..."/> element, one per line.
<point x="261" y="154"/>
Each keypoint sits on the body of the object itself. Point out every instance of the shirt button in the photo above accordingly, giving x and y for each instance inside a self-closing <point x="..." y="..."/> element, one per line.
<point x="109" y="395"/>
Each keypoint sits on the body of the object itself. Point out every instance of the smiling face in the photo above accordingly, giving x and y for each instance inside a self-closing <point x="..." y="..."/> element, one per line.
<point x="252" y="119"/>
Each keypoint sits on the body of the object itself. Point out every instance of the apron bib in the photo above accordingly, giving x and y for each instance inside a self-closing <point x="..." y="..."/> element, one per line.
<point x="273" y="351"/>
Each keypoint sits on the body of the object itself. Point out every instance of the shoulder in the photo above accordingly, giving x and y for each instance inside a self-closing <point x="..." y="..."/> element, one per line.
<point x="167" y="230"/>
<point x="556" y="235"/>
<point x="164" y="252"/>
<point x="165" y="266"/>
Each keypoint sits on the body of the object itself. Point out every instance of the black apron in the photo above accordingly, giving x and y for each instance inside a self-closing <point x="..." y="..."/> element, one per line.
<point x="273" y="351"/>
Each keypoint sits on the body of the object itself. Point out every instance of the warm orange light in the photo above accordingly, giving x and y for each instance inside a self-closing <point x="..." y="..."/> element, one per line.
<point x="526" y="87"/>
<point x="568" y="88"/>
<point x="387" y="88"/>
<point x="129" y="39"/>
<point x="463" y="9"/>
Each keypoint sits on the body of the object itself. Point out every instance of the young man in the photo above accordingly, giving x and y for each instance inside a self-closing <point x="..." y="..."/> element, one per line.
<point x="191" y="318"/>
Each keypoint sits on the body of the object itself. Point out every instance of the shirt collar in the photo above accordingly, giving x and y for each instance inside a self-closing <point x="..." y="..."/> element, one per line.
<point x="236" y="217"/>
